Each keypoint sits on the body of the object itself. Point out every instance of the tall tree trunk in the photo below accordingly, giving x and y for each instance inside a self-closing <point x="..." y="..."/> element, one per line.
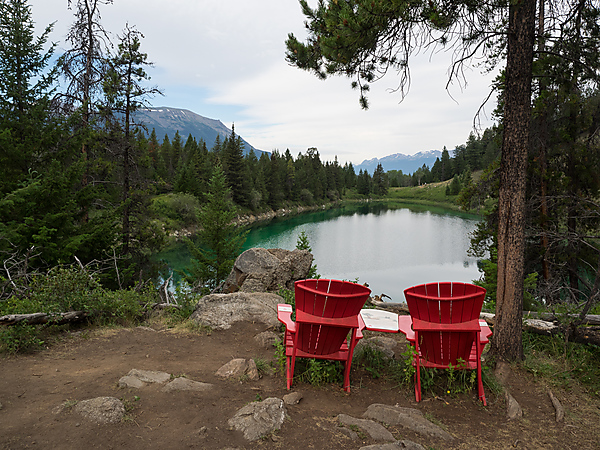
<point x="543" y="148"/>
<point x="507" y="340"/>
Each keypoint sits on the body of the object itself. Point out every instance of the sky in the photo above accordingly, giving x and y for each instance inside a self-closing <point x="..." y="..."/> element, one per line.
<point x="225" y="59"/>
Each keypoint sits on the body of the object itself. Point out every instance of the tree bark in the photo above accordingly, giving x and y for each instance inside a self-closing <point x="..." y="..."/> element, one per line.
<point x="507" y="342"/>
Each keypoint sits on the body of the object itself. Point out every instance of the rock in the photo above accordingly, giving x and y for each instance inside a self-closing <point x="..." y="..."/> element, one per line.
<point x="292" y="399"/>
<point x="377" y="431"/>
<point x="383" y="344"/>
<point x="150" y="376"/>
<point x="262" y="270"/>
<point x="252" y="372"/>
<point x="101" y="410"/>
<point x="185" y="384"/>
<point x="410" y="418"/>
<point x="513" y="409"/>
<point x="395" y="446"/>
<point x="131" y="382"/>
<point x="238" y="368"/>
<point x="352" y="435"/>
<point x="560" y="411"/>
<point x="259" y="418"/>
<point x="267" y="339"/>
<point x="220" y="311"/>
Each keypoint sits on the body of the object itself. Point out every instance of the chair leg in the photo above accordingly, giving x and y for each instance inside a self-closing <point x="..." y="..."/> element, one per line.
<point x="418" y="382"/>
<point x="289" y="372"/>
<point x="348" y="362"/>
<point x="418" y="367"/>
<point x="478" y="349"/>
<point x="480" y="390"/>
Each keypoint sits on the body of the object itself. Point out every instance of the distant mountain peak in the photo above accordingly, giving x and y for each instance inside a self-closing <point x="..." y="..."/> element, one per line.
<point x="167" y="121"/>
<point x="399" y="161"/>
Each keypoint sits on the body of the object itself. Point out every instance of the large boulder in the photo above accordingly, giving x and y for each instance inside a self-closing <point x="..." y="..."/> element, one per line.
<point x="220" y="311"/>
<point x="262" y="270"/>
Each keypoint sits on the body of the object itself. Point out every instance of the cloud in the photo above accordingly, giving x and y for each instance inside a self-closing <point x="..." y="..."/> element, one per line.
<point x="225" y="60"/>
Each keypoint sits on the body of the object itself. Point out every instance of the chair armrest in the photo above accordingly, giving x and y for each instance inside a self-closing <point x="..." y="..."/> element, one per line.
<point x="484" y="337"/>
<point x="284" y="315"/>
<point x="405" y="327"/>
<point x="361" y="326"/>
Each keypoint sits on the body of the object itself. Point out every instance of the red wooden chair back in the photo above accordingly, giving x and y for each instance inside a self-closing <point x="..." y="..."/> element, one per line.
<point x="444" y="303"/>
<point x="318" y="300"/>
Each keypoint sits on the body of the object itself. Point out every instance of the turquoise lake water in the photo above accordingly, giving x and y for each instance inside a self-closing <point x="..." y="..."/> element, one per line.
<point x="390" y="249"/>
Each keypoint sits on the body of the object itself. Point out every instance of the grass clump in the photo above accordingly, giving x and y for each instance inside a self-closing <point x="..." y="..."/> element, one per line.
<point x="561" y="363"/>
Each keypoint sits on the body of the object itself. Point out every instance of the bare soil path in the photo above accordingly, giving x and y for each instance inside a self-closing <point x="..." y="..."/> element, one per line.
<point x="88" y="364"/>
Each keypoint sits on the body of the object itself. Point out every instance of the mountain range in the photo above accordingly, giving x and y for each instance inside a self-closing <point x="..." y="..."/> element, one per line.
<point x="167" y="121"/>
<point x="398" y="161"/>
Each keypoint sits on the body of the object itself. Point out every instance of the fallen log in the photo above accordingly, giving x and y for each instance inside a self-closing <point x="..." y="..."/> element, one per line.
<point x="43" y="318"/>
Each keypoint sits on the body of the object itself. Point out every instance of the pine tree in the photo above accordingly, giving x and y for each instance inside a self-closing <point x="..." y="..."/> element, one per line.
<point x="125" y="94"/>
<point x="25" y="87"/>
<point x="219" y="240"/>
<point x="233" y="162"/>
<point x="42" y="202"/>
<point x="380" y="182"/>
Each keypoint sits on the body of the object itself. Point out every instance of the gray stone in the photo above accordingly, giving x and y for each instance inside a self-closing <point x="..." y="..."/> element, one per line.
<point x="131" y="382"/>
<point x="395" y="446"/>
<point x="259" y="418"/>
<point x="101" y="410"/>
<point x="185" y="384"/>
<point x="377" y="431"/>
<point x="352" y="435"/>
<point x="262" y="270"/>
<point x="513" y="409"/>
<point x="220" y="311"/>
<point x="252" y="372"/>
<point x="267" y="339"/>
<point x="410" y="418"/>
<point x="238" y="368"/>
<point x="293" y="398"/>
<point x="383" y="344"/>
<point x="150" y="376"/>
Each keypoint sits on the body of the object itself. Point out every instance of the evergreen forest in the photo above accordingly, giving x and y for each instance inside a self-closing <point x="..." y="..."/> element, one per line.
<point x="83" y="184"/>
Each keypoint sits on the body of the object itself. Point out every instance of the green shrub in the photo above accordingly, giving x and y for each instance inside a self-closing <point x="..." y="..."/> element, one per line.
<point x="182" y="209"/>
<point x="65" y="289"/>
<point x="20" y="338"/>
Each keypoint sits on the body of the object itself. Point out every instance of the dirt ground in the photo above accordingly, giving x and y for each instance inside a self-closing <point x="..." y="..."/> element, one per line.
<point x="89" y="363"/>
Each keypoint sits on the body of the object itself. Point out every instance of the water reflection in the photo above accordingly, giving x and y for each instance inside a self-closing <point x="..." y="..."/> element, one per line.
<point x="390" y="249"/>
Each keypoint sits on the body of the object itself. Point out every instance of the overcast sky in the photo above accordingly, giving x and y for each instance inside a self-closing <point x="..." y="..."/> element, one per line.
<point x="224" y="59"/>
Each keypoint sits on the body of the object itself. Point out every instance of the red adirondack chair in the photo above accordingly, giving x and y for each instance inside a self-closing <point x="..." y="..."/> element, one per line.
<point x="445" y="329"/>
<point x="327" y="311"/>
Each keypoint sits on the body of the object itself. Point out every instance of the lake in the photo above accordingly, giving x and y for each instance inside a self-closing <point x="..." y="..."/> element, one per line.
<point x="388" y="248"/>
